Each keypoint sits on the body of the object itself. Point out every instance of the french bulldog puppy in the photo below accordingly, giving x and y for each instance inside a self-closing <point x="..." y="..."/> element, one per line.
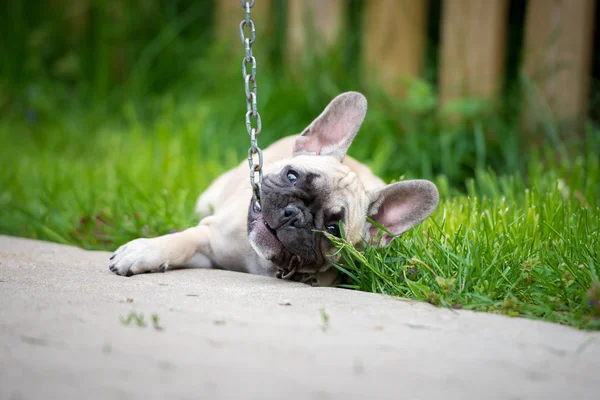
<point x="310" y="186"/>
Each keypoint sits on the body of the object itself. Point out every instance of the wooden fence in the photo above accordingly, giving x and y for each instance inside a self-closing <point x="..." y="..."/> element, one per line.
<point x="557" y="44"/>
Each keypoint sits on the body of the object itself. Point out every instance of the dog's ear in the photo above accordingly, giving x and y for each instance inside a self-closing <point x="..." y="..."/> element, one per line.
<point x="333" y="131"/>
<point x="400" y="206"/>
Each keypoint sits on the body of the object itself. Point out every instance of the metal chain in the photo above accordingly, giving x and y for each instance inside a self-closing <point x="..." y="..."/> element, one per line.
<point x="255" y="157"/>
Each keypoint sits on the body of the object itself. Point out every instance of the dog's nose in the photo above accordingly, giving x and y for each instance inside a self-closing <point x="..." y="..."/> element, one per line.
<point x="290" y="211"/>
<point x="291" y="215"/>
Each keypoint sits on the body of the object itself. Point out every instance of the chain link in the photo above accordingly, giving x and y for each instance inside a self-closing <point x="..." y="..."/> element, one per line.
<point x="255" y="156"/>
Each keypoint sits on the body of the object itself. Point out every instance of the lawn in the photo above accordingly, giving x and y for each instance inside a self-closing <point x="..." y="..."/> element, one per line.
<point x="517" y="230"/>
<point x="111" y="135"/>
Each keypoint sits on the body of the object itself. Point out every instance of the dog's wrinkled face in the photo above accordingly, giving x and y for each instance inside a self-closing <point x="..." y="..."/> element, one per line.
<point x="302" y="199"/>
<point x="314" y="192"/>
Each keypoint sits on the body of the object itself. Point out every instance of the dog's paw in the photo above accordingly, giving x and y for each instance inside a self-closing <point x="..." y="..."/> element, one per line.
<point x="139" y="256"/>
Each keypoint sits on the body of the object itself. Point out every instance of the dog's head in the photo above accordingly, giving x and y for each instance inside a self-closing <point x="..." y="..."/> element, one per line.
<point x="314" y="192"/>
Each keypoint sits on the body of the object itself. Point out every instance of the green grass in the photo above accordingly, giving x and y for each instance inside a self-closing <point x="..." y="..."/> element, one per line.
<point x="504" y="244"/>
<point x="519" y="251"/>
<point x="516" y="232"/>
<point x="104" y="138"/>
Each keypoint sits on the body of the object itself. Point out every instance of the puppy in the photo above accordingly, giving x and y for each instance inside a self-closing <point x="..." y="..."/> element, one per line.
<point x="309" y="187"/>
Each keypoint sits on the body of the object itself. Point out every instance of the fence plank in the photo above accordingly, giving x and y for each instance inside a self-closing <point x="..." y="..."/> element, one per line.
<point x="394" y="41"/>
<point x="324" y="19"/>
<point x="472" y="54"/>
<point x="229" y="14"/>
<point x="558" y="50"/>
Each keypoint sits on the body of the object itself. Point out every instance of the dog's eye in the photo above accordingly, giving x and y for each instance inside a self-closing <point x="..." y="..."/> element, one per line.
<point x="333" y="229"/>
<point x="292" y="176"/>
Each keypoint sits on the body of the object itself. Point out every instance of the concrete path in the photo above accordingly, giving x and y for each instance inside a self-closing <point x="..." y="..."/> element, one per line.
<point x="227" y="335"/>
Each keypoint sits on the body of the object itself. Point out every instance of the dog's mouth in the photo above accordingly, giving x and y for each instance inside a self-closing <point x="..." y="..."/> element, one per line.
<point x="259" y="219"/>
<point x="269" y="229"/>
<point x="266" y="234"/>
<point x="267" y="239"/>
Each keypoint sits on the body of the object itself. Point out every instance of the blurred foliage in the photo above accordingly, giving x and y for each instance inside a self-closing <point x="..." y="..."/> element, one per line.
<point x="100" y="50"/>
<point x="88" y="60"/>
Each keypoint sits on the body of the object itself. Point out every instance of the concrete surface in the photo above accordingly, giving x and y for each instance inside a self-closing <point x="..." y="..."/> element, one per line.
<point x="228" y="335"/>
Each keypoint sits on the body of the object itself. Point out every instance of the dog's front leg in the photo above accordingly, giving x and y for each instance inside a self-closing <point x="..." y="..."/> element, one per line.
<point x="189" y="248"/>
